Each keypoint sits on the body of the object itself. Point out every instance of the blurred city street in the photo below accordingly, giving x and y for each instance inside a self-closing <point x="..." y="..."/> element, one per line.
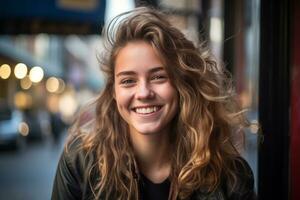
<point x="28" y="173"/>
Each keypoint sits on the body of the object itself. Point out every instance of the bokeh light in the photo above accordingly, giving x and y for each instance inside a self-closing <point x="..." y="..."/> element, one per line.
<point x="62" y="86"/>
<point x="20" y="70"/>
<point x="68" y="105"/>
<point x="22" y="100"/>
<point x="23" y="128"/>
<point x="52" y="84"/>
<point x="5" y="71"/>
<point x="254" y="127"/>
<point x="26" y="83"/>
<point x="36" y="74"/>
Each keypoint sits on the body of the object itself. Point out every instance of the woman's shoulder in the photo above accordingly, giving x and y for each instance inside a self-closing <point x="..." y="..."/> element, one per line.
<point x="242" y="186"/>
<point x="243" y="171"/>
<point x="76" y="156"/>
<point x="71" y="179"/>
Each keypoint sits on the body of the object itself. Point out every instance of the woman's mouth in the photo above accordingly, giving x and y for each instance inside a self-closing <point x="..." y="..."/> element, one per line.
<point x="146" y="110"/>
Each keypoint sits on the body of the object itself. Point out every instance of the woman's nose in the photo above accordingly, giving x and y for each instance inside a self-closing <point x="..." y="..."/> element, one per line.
<point x="144" y="91"/>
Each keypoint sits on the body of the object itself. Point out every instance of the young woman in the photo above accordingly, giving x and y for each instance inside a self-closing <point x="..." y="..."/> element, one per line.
<point x="164" y="124"/>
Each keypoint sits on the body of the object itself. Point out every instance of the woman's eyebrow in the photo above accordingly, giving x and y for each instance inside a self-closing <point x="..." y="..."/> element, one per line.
<point x="156" y="69"/>
<point x="124" y="73"/>
<point x="152" y="70"/>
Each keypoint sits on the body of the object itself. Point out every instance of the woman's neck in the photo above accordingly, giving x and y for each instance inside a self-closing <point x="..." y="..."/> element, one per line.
<point x="153" y="155"/>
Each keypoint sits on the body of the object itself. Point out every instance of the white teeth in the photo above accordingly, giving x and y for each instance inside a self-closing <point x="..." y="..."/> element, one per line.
<point x="146" y="110"/>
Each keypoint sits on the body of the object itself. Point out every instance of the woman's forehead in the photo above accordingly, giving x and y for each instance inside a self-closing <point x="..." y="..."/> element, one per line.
<point x="137" y="56"/>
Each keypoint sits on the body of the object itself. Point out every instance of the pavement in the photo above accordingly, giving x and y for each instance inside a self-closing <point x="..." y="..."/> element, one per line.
<point x="28" y="174"/>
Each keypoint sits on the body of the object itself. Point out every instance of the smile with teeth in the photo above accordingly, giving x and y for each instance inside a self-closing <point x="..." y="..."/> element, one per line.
<point x="147" y="110"/>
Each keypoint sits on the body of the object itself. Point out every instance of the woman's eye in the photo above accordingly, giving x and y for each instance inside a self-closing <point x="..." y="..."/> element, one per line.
<point x="159" y="77"/>
<point x="127" y="82"/>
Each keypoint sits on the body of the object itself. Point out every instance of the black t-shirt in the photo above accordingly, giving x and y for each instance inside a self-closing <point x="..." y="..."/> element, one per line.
<point x="154" y="191"/>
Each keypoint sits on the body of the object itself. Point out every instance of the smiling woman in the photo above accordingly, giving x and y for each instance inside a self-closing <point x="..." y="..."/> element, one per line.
<point x="164" y="125"/>
<point x="145" y="97"/>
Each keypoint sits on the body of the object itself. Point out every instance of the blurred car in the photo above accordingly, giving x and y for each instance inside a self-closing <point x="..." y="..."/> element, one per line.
<point x="11" y="128"/>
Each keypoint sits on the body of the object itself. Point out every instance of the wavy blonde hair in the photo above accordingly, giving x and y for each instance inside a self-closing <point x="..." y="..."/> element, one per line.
<point x="204" y="128"/>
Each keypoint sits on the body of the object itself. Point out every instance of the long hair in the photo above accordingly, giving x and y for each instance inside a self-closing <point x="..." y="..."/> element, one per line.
<point x="203" y="131"/>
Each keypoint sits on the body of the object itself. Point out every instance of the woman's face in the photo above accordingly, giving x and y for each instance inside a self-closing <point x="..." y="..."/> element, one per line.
<point x="145" y="97"/>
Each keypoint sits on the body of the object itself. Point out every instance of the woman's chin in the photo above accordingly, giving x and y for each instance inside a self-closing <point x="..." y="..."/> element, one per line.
<point x="147" y="129"/>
